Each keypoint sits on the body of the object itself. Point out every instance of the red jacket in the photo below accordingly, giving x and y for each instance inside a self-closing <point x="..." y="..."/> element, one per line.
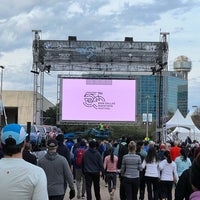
<point x="175" y="152"/>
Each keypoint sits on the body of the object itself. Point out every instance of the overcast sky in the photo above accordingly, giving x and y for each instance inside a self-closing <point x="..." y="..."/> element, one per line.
<point x="95" y="20"/>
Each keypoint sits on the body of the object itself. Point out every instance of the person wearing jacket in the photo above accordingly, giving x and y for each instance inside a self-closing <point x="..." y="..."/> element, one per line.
<point x="195" y="178"/>
<point x="195" y="195"/>
<point x="62" y="148"/>
<point x="19" y="178"/>
<point x="79" y="176"/>
<point x="142" y="153"/>
<point x="175" y="150"/>
<point x="131" y="166"/>
<point x="28" y="155"/>
<point x="110" y="165"/>
<point x="122" y="150"/>
<point x="183" y="188"/>
<point x="57" y="171"/>
<point x="182" y="162"/>
<point x="92" y="167"/>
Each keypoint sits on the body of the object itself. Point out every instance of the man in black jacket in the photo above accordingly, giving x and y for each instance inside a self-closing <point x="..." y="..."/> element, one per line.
<point x="62" y="149"/>
<point x="183" y="187"/>
<point x="27" y="155"/>
<point x="92" y="167"/>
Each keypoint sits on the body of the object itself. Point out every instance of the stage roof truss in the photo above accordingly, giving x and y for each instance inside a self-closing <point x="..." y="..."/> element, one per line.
<point x="116" y="56"/>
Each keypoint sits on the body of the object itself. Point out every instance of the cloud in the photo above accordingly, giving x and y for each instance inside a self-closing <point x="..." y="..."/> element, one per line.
<point x="94" y="20"/>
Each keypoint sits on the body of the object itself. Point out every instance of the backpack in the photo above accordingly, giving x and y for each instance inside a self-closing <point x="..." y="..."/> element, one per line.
<point x="79" y="156"/>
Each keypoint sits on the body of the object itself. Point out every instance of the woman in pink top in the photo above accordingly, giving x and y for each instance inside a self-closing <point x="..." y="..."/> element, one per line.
<point x="110" y="165"/>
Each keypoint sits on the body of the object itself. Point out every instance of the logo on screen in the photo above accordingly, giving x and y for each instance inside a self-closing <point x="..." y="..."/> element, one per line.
<point x="96" y="100"/>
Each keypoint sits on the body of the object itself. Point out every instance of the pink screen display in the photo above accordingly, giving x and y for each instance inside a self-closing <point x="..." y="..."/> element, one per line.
<point x="98" y="100"/>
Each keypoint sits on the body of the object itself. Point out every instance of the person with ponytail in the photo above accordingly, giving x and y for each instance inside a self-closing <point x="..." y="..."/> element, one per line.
<point x="182" y="162"/>
<point x="152" y="173"/>
<point x="110" y="165"/>
<point x="168" y="176"/>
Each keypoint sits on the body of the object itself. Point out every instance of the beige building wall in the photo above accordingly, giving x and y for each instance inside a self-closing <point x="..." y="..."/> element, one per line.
<point x="19" y="106"/>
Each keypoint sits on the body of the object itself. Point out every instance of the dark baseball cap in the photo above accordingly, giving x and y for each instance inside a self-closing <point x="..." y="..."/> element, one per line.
<point x="52" y="144"/>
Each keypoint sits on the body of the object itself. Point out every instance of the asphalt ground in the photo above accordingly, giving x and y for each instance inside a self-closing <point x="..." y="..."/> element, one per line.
<point x="104" y="192"/>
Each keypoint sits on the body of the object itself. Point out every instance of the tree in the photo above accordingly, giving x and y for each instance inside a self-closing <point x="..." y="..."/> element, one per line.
<point x="50" y="116"/>
<point x="196" y="118"/>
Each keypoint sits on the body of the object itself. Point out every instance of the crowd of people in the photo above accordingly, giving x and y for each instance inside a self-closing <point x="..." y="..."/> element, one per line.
<point x="140" y="167"/>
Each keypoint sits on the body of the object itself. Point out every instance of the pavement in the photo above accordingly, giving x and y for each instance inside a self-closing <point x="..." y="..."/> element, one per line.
<point x="104" y="192"/>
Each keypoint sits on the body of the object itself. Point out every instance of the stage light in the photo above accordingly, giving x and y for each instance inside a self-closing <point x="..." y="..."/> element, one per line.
<point x="48" y="67"/>
<point x="128" y="39"/>
<point x="34" y="72"/>
<point x="72" y="38"/>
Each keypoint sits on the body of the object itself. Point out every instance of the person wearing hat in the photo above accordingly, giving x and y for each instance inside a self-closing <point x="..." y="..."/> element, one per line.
<point x="62" y="148"/>
<point x="19" y="178"/>
<point x="57" y="171"/>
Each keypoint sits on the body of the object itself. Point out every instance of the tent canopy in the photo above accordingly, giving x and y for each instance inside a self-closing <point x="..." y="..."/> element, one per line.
<point x="189" y="119"/>
<point x="184" y="127"/>
<point x="179" y="121"/>
<point x="185" y="130"/>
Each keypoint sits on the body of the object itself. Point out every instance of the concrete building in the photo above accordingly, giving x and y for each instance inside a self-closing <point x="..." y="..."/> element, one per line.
<point x="18" y="107"/>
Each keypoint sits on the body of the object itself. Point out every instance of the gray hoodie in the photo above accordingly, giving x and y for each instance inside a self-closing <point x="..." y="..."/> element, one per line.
<point x="58" y="173"/>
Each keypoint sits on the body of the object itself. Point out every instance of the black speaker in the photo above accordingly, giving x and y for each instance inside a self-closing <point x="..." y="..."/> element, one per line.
<point x="72" y="38"/>
<point x="128" y="39"/>
<point x="28" y="130"/>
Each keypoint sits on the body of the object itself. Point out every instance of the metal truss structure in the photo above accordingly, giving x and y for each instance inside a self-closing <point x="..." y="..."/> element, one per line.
<point x="73" y="55"/>
<point x="126" y="56"/>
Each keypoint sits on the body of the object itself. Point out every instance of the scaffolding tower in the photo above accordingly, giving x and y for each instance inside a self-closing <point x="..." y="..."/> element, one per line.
<point x="99" y="57"/>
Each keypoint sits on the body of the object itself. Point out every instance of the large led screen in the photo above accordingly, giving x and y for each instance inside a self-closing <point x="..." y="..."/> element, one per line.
<point x="98" y="100"/>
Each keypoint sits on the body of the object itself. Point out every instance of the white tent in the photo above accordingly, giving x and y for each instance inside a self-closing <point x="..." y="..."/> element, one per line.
<point x="189" y="119"/>
<point x="179" y="121"/>
<point x="183" y="133"/>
